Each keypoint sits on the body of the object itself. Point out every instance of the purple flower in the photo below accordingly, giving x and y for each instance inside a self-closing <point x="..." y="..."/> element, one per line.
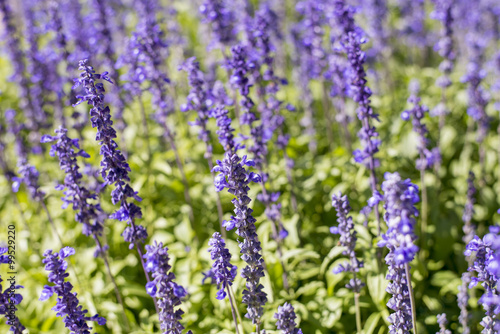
<point x="199" y="99"/>
<point x="9" y="298"/>
<point x="222" y="21"/>
<point x="163" y="287"/>
<point x="235" y="178"/>
<point x="114" y="167"/>
<point x="412" y="17"/>
<point x="441" y="319"/>
<point x="241" y="66"/>
<point x="443" y="12"/>
<point x="347" y="239"/>
<point x="75" y="318"/>
<point x="310" y="30"/>
<point x="286" y="319"/>
<point x="468" y="228"/>
<point x="28" y="175"/>
<point x="78" y="196"/>
<point x="223" y="271"/>
<point x="486" y="265"/>
<point x="400" y="197"/>
<point x="428" y="156"/>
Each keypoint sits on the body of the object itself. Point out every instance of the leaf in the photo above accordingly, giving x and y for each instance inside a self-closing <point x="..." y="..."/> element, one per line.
<point x="376" y="287"/>
<point x="371" y="323"/>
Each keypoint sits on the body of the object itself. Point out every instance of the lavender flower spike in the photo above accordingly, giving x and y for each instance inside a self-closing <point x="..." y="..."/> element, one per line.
<point x="164" y="288"/>
<point x="75" y="318"/>
<point x="235" y="178"/>
<point x="9" y="298"/>
<point x="487" y="266"/>
<point x="114" y="167"/>
<point x="351" y="40"/>
<point x="428" y="156"/>
<point x="347" y="239"/>
<point x="286" y="320"/>
<point x="76" y="195"/>
<point x="224" y="271"/>
<point x="441" y="319"/>
<point x="400" y="197"/>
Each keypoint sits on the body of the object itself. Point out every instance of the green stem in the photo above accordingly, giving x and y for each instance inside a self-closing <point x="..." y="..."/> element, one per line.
<point x="412" y="298"/>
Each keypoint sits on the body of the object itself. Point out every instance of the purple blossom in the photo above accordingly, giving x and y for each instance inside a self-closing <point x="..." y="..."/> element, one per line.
<point x="311" y="30"/>
<point x="199" y="100"/>
<point x="222" y="21"/>
<point x="412" y="17"/>
<point x="225" y="131"/>
<point x="223" y="271"/>
<point x="347" y="240"/>
<point x="163" y="287"/>
<point x="400" y="197"/>
<point x="286" y="319"/>
<point x="78" y="196"/>
<point x="114" y="167"/>
<point x="235" y="178"/>
<point x="351" y="39"/>
<point x="478" y="98"/>
<point x="9" y="298"/>
<point x="442" y="321"/>
<point x="428" y="156"/>
<point x="486" y="265"/>
<point x="443" y="12"/>
<point x="241" y="66"/>
<point x="67" y="307"/>
<point x="468" y="228"/>
<point x="28" y="175"/>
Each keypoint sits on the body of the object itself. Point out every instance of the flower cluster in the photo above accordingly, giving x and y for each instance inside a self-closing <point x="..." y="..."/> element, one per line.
<point x="222" y="21"/>
<point x="486" y="265"/>
<point x="241" y="66"/>
<point x="9" y="298"/>
<point x="311" y="32"/>
<point x="428" y="157"/>
<point x="442" y="321"/>
<point x="78" y="196"/>
<point x="468" y="228"/>
<point x="164" y="288"/>
<point x="286" y="319"/>
<point x="114" y="167"/>
<point x="28" y="175"/>
<point x="444" y="12"/>
<point x="400" y="197"/>
<point x="199" y="99"/>
<point x="347" y="239"/>
<point x="223" y="271"/>
<point x="75" y="318"/>
<point x="234" y="177"/>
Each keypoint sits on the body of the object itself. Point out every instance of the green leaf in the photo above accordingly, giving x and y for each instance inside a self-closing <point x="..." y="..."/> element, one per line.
<point x="376" y="287"/>
<point x="371" y="323"/>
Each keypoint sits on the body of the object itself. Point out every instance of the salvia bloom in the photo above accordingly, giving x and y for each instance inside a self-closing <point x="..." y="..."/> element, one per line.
<point x="240" y="66"/>
<point x="376" y="13"/>
<point x="286" y="319"/>
<point x="222" y="20"/>
<point x="428" y="156"/>
<point x="351" y="39"/>
<point x="442" y="321"/>
<point x="67" y="307"/>
<point x="114" y="167"/>
<point x="347" y="239"/>
<point x="225" y="131"/>
<point x="9" y="298"/>
<point x="311" y="32"/>
<point x="468" y="228"/>
<point x="486" y="265"/>
<point x="235" y="178"/>
<point x="478" y="98"/>
<point x="199" y="99"/>
<point x="223" y="271"/>
<point x="443" y="12"/>
<point x="412" y="17"/>
<point x="28" y="175"/>
<point x="75" y="194"/>
<point x="163" y="287"/>
<point x="400" y="197"/>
